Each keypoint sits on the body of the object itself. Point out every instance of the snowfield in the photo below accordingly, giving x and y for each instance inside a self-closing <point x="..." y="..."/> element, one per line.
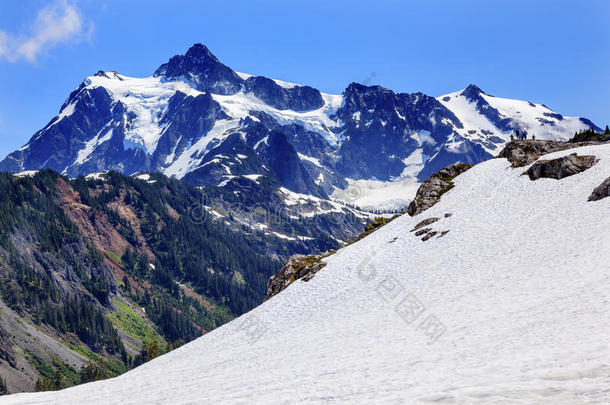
<point x="378" y="195"/>
<point x="510" y="307"/>
<point x="539" y="120"/>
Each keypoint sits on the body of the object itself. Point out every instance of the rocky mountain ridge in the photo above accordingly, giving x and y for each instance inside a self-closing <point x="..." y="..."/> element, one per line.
<point x="199" y="120"/>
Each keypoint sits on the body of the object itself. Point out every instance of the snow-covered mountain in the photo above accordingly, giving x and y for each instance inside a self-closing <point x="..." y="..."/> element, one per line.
<point x="203" y="122"/>
<point x="504" y="305"/>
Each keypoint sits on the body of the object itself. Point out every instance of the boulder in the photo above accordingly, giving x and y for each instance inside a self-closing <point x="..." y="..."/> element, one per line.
<point x="561" y="167"/>
<point x="601" y="191"/>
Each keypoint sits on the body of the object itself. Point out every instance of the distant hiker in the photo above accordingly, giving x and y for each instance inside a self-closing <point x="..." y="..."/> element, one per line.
<point x="533" y="137"/>
<point x="512" y="138"/>
<point x="518" y="135"/>
<point x="524" y="134"/>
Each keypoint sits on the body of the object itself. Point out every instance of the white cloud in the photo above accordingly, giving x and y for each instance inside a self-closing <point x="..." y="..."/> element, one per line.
<point x="58" y="23"/>
<point x="3" y="43"/>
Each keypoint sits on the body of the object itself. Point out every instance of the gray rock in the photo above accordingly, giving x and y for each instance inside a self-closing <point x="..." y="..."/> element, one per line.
<point x="561" y="167"/>
<point x="200" y="67"/>
<point x="297" y="267"/>
<point x="425" y="222"/>
<point x="601" y="191"/>
<point x="523" y="153"/>
<point x="429" y="235"/>
<point x="430" y="192"/>
<point x="6" y="348"/>
<point x="422" y="231"/>
<point x="297" y="98"/>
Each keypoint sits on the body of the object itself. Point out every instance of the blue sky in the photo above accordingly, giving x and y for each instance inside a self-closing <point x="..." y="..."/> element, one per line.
<point x="554" y="52"/>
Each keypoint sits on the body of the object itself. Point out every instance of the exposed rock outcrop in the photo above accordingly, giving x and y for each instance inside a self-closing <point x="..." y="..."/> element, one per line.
<point x="429" y="235"/>
<point x="430" y="192"/>
<point x="423" y="230"/>
<point x="523" y="153"/>
<point x="425" y="222"/>
<point x="561" y="167"/>
<point x="297" y="267"/>
<point x="601" y="191"/>
<point x="297" y="98"/>
<point x="6" y="349"/>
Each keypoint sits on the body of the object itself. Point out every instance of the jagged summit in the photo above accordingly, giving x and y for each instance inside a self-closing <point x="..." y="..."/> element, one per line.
<point x="200" y="52"/>
<point x="472" y="92"/>
<point x="355" y="86"/>
<point x="203" y="70"/>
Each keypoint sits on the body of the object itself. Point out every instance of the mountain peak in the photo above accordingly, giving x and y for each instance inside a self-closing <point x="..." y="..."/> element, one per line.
<point x="355" y="87"/>
<point x="203" y="70"/>
<point x="200" y="52"/>
<point x="197" y="57"/>
<point x="472" y="91"/>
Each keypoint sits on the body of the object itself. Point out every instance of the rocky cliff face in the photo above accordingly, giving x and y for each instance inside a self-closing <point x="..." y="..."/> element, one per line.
<point x="382" y="128"/>
<point x="293" y="97"/>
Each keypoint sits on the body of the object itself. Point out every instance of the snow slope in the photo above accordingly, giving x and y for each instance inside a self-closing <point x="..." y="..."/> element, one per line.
<point x="519" y="289"/>
<point x="537" y="119"/>
<point x="147" y="98"/>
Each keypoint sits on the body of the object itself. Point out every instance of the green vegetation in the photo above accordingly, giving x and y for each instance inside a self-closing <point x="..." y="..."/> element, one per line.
<point x="54" y="376"/>
<point x="39" y="243"/>
<point x="375" y="224"/>
<point x="113" y="366"/>
<point x="127" y="320"/>
<point x="93" y="372"/>
<point x="60" y="375"/>
<point x="459" y="168"/>
<point x="589" y="135"/>
<point x="114" y="257"/>
<point x="85" y="321"/>
<point x="185" y="249"/>
<point x="239" y="279"/>
<point x="305" y="262"/>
